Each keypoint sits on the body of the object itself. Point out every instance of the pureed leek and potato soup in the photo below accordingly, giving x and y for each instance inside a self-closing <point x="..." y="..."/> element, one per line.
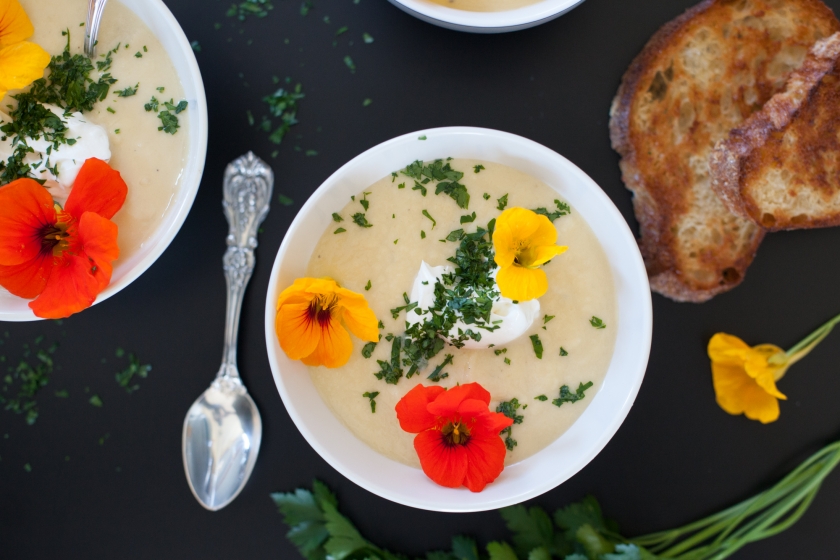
<point x="573" y="328"/>
<point x="485" y="5"/>
<point x="151" y="161"/>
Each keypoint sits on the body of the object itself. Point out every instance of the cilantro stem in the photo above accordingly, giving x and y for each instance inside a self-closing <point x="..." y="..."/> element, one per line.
<point x="809" y="342"/>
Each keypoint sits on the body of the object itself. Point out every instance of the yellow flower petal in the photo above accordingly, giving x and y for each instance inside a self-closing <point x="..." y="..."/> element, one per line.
<point x="15" y="25"/>
<point x="359" y="317"/>
<point x="503" y="244"/>
<point x="541" y="255"/>
<point x="522" y="284"/>
<point x="727" y="349"/>
<point x="20" y="65"/>
<point x="737" y="393"/>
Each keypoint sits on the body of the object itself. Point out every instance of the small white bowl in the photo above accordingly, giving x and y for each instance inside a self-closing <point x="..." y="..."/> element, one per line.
<point x="486" y="22"/>
<point x="566" y="455"/>
<point x="163" y="24"/>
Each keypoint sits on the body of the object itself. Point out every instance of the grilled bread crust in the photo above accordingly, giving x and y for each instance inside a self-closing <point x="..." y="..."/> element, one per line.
<point x="781" y="168"/>
<point x="698" y="77"/>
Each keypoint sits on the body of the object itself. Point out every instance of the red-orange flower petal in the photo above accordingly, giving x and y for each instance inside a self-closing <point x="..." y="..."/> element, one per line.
<point x="447" y="404"/>
<point x="98" y="188"/>
<point x="70" y="289"/>
<point x="27" y="280"/>
<point x="445" y="464"/>
<point x="98" y="238"/>
<point x="26" y="209"/>
<point x="412" y="410"/>
<point x="485" y="459"/>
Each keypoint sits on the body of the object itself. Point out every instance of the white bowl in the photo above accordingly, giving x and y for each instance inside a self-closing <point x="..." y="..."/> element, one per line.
<point x="566" y="455"/>
<point x="164" y="25"/>
<point x="486" y="22"/>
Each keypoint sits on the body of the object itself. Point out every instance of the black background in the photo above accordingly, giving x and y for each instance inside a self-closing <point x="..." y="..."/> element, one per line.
<point x="109" y="483"/>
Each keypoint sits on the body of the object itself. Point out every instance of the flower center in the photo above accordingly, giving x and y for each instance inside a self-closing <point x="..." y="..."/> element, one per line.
<point x="321" y="308"/>
<point x="54" y="238"/>
<point x="455" y="433"/>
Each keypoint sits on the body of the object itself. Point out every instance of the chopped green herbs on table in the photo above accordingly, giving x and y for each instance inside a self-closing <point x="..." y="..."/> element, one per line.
<point x="282" y="105"/>
<point x="126" y="377"/>
<point x="256" y="8"/>
<point x="22" y="383"/>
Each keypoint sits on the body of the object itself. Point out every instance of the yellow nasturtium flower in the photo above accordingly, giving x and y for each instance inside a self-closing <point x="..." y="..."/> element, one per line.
<point x="311" y="318"/>
<point x="523" y="241"/>
<point x="21" y="62"/>
<point x="745" y="377"/>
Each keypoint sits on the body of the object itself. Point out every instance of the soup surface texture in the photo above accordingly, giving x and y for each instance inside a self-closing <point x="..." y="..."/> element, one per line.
<point x="485" y="5"/>
<point x="150" y="161"/>
<point x="388" y="255"/>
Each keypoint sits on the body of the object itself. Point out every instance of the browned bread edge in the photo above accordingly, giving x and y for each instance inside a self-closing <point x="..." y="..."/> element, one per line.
<point x="730" y="156"/>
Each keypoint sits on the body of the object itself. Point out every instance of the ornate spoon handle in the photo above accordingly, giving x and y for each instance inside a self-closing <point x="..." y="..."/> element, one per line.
<point x="94" y="17"/>
<point x="247" y="195"/>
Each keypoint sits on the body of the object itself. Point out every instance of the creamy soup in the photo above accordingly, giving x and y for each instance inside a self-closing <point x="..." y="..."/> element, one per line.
<point x="485" y="5"/>
<point x="388" y="255"/>
<point x="150" y="161"/>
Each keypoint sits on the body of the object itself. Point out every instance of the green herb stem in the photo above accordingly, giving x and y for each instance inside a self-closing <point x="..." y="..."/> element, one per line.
<point x="809" y="342"/>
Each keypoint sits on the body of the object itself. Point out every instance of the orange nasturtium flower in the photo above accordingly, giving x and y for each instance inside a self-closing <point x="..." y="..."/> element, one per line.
<point x="60" y="256"/>
<point x="21" y="62"/>
<point x="745" y="377"/>
<point x="309" y="320"/>
<point x="457" y="440"/>
<point x="524" y="241"/>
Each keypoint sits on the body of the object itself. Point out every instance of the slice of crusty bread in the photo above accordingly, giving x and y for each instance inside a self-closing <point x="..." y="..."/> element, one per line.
<point x="781" y="168"/>
<point x="698" y="77"/>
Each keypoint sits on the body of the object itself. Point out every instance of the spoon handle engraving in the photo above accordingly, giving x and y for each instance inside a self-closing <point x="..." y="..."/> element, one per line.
<point x="94" y="17"/>
<point x="247" y="195"/>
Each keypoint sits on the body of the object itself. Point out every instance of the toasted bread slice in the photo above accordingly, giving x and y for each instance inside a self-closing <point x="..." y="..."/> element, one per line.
<point x="698" y="77"/>
<point x="781" y="168"/>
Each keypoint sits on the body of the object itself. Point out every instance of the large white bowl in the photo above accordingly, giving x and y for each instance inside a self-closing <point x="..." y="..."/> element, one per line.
<point x="486" y="22"/>
<point x="569" y="453"/>
<point x="164" y="25"/>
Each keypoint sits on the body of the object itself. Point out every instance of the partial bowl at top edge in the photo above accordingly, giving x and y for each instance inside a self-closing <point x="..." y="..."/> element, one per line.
<point x="487" y="22"/>
<point x="165" y="27"/>
<point x="587" y="436"/>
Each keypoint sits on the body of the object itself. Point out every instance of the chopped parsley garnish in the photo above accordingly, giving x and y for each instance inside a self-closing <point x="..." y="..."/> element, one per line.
<point x="418" y="187"/>
<point x="305" y="7"/>
<point x="360" y="220"/>
<point x="486" y="196"/>
<point x="563" y="352"/>
<point x="509" y="408"/>
<point x="548" y="318"/>
<point x="500" y="351"/>
<point x="29" y="378"/>
<point x="364" y="201"/>
<point x="339" y="230"/>
<point x="256" y="8"/>
<point x="446" y="177"/>
<point x="337" y="218"/>
<point x="368" y="286"/>
<point x="542" y="398"/>
<point x="128" y="92"/>
<point x="138" y="54"/>
<point x="563" y="209"/>
<point x="111" y="110"/>
<point x="368" y="349"/>
<point x="350" y="64"/>
<point x="284" y="200"/>
<point x="455" y="235"/>
<point x="372" y="396"/>
<point x="436" y="375"/>
<point x="283" y="105"/>
<point x="134" y="367"/>
<point x="367" y="38"/>
<point x="395" y="241"/>
<point x="152" y="105"/>
<point x="367" y="101"/>
<point x="502" y="202"/>
<point x="478" y="168"/>
<point x="390" y="371"/>
<point x="469" y="218"/>
<point x="422" y="137"/>
<point x="401" y="186"/>
<point x="507" y="361"/>
<point x="566" y="395"/>
<point x="426" y="213"/>
<point x="96" y="401"/>
<point x="537" y="344"/>
<point x="597" y="323"/>
<point x="168" y="118"/>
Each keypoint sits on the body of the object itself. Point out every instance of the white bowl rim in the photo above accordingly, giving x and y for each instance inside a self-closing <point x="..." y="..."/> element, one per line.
<point x="462" y="500"/>
<point x="193" y="171"/>
<point x="507" y="20"/>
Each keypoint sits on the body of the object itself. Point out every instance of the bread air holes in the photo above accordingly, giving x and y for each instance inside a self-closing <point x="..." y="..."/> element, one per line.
<point x="799" y="219"/>
<point x="730" y="276"/>
<point x="768" y="220"/>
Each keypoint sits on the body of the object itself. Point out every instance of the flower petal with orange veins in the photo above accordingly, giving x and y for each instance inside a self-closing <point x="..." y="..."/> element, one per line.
<point x="334" y="347"/>
<point x="297" y="332"/>
<point x="98" y="240"/>
<point x="15" y="25"/>
<point x="447" y="403"/>
<point x="27" y="280"/>
<point x="485" y="459"/>
<point x="738" y="393"/>
<point x="359" y="317"/>
<point x="71" y="287"/>
<point x="20" y="65"/>
<point x="98" y="188"/>
<point x="412" y="410"/>
<point x="522" y="284"/>
<point x="26" y="209"/>
<point x="444" y="464"/>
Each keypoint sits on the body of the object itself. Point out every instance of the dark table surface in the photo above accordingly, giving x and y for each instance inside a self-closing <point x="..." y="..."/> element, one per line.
<point x="108" y="482"/>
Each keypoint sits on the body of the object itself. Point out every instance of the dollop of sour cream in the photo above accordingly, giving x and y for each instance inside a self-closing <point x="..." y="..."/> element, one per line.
<point x="91" y="141"/>
<point x="516" y="318"/>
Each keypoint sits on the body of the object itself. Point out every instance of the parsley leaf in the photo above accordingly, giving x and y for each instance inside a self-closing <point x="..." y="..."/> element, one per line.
<point x="337" y="218"/>
<point x="360" y="220"/>
<point x="537" y="344"/>
<point x="367" y="350"/>
<point x="542" y="398"/>
<point x="509" y="408"/>
<point x="597" y="323"/>
<point x="563" y="352"/>
<point x="127" y="92"/>
<point x="372" y="396"/>
<point x="502" y="202"/>
<point x="436" y="375"/>
<point x="469" y="218"/>
<point x="134" y="367"/>
<point x="478" y="168"/>
<point x="566" y="395"/>
<point x="426" y="213"/>
<point x="283" y="105"/>
<point x="563" y="209"/>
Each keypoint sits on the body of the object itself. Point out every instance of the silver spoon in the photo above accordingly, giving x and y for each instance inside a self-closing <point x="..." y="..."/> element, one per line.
<point x="223" y="429"/>
<point x="94" y="18"/>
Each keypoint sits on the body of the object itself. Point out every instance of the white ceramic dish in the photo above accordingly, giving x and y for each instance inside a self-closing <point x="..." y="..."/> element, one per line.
<point x="163" y="24"/>
<point x="569" y="453"/>
<point x="486" y="22"/>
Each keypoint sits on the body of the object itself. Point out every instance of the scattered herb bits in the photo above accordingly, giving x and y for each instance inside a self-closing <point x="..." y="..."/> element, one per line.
<point x="567" y="396"/>
<point x="337" y="218"/>
<point x="360" y="220"/>
<point x="563" y="351"/>
<point x="537" y="344"/>
<point x="368" y="286"/>
<point x="437" y="374"/>
<point x="367" y="350"/>
<point x="367" y="38"/>
<point x="509" y="408"/>
<point x="542" y="398"/>
<point x="339" y="230"/>
<point x="502" y="202"/>
<point x="563" y="209"/>
<point x="597" y="323"/>
<point x="350" y="64"/>
<point x="128" y="92"/>
<point x="285" y="200"/>
<point x="477" y="169"/>
<point x="372" y="396"/>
